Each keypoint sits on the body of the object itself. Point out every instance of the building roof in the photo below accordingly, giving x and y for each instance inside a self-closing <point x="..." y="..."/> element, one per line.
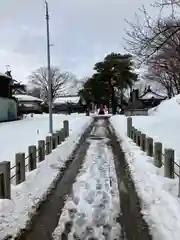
<point x="151" y="94"/>
<point x="62" y="100"/>
<point x="25" y="97"/>
<point x="6" y="76"/>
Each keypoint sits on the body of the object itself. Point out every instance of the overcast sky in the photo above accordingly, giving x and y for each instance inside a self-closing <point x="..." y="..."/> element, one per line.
<point x="82" y="31"/>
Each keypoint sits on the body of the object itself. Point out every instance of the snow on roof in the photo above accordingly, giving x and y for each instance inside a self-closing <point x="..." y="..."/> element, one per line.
<point x="62" y="100"/>
<point x="24" y="97"/>
<point x="150" y="95"/>
<point x="5" y="75"/>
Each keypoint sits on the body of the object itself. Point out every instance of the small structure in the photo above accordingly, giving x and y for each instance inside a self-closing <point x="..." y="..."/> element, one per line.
<point x="29" y="104"/>
<point x="67" y="104"/>
<point x="151" y="99"/>
<point x="148" y="99"/>
<point x="8" y="105"/>
<point x="139" y="104"/>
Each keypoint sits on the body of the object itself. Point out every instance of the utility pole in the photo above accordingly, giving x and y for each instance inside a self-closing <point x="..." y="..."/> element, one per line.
<point x="49" y="72"/>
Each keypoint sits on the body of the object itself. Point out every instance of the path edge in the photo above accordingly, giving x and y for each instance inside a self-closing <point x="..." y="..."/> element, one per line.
<point x="133" y="222"/>
<point x="52" y="186"/>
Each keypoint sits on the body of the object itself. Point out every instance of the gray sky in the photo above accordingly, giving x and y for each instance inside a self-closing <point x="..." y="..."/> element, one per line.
<point x="82" y="31"/>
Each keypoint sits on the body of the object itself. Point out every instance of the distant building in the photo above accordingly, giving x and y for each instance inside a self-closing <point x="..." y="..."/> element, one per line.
<point x="67" y="104"/>
<point x="8" y="105"/>
<point x="148" y="99"/>
<point x="29" y="104"/>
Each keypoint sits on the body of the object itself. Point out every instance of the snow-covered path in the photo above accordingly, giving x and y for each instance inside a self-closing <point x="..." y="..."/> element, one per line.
<point x="92" y="211"/>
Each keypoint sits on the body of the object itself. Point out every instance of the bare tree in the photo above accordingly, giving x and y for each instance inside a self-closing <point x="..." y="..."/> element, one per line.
<point x="35" y="92"/>
<point x="60" y="80"/>
<point x="164" y="65"/>
<point x="156" y="43"/>
<point x="147" y="38"/>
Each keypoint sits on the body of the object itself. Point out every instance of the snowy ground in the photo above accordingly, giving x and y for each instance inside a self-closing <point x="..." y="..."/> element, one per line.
<point x="160" y="204"/>
<point x="14" y="213"/>
<point x="163" y="124"/>
<point x="17" y="136"/>
<point x="94" y="205"/>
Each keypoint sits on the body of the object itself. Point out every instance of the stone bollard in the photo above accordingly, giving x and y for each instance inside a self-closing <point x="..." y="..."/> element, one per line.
<point x="158" y="154"/>
<point x="58" y="137"/>
<point x="41" y="150"/>
<point x="66" y="128"/>
<point x="149" y="146"/>
<point x="132" y="133"/>
<point x="5" y="182"/>
<point x="135" y="134"/>
<point x="20" y="168"/>
<point x="48" y="145"/>
<point x="169" y="163"/>
<point x="54" y="141"/>
<point x="143" y="142"/>
<point x="129" y="126"/>
<point x="62" y="135"/>
<point x="32" y="157"/>
<point x="138" y="134"/>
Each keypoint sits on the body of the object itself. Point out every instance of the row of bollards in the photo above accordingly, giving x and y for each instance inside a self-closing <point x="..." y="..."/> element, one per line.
<point x="152" y="149"/>
<point x="36" y="154"/>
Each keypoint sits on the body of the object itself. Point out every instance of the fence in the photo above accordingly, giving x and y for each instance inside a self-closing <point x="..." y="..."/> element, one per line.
<point x="17" y="174"/>
<point x="155" y="150"/>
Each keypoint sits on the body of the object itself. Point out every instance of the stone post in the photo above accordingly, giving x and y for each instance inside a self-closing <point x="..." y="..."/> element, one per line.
<point x="138" y="135"/>
<point x="66" y="128"/>
<point x="41" y="150"/>
<point x="32" y="157"/>
<point x="169" y="163"/>
<point x="143" y="142"/>
<point x="149" y="146"/>
<point x="58" y="137"/>
<point x="5" y="183"/>
<point x="62" y="135"/>
<point x="129" y="126"/>
<point x="48" y="145"/>
<point x="134" y="135"/>
<point x="20" y="168"/>
<point x="158" y="154"/>
<point x="54" y="141"/>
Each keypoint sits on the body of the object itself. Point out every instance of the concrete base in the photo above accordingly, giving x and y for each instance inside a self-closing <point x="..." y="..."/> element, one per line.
<point x="102" y="116"/>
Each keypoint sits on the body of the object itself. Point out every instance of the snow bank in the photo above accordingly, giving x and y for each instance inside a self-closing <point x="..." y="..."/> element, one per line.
<point x="160" y="205"/>
<point x="17" y="136"/>
<point x="15" y="213"/>
<point x="163" y="124"/>
<point x="167" y="108"/>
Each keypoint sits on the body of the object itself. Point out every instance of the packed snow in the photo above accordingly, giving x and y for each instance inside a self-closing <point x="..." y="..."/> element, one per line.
<point x="160" y="204"/>
<point x="93" y="207"/>
<point x="15" y="213"/>
<point x="17" y="136"/>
